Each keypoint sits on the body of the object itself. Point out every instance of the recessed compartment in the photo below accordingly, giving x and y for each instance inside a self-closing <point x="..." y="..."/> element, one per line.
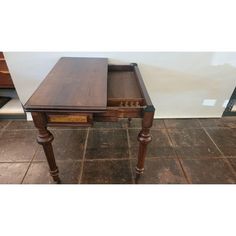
<point x="122" y="88"/>
<point x="124" y="96"/>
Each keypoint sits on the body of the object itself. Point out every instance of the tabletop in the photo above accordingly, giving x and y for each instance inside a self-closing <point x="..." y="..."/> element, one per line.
<point x="73" y="83"/>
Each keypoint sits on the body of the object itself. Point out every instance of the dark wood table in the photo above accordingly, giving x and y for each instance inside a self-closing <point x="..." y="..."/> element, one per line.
<point x="78" y="91"/>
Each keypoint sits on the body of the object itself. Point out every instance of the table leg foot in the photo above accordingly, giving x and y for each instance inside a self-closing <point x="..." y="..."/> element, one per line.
<point x="144" y="138"/>
<point x="57" y="181"/>
<point x="55" y="176"/>
<point x="139" y="171"/>
<point x="138" y="174"/>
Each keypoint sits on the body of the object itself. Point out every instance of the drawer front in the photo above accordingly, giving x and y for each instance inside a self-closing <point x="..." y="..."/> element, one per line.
<point x="113" y="114"/>
<point x="70" y="118"/>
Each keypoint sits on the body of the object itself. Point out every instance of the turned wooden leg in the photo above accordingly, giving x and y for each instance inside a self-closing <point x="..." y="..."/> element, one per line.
<point x="144" y="137"/>
<point x="45" y="139"/>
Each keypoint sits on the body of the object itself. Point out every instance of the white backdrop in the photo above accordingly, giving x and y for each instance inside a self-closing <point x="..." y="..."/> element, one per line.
<point x="181" y="84"/>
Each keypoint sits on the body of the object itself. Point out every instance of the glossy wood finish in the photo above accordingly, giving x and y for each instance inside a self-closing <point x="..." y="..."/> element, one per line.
<point x="5" y="77"/>
<point x="73" y="95"/>
<point x="73" y="83"/>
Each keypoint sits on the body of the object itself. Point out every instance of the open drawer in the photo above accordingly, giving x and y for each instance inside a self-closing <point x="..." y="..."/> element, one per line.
<point x="126" y="93"/>
<point x="123" y="89"/>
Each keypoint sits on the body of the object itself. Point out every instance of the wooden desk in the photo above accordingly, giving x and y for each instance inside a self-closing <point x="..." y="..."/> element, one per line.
<point x="79" y="91"/>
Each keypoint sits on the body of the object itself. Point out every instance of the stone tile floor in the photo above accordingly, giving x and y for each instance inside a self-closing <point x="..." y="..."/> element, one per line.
<point x="198" y="151"/>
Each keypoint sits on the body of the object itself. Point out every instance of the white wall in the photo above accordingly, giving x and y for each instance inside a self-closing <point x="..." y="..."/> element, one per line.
<point x="193" y="84"/>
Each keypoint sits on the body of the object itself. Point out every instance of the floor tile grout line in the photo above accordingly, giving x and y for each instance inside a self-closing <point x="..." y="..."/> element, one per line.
<point x="58" y="161"/>
<point x="120" y="159"/>
<point x="121" y="128"/>
<point x="221" y="126"/>
<point x="200" y="123"/>
<point x="130" y="159"/>
<point x="222" y="154"/>
<point x="50" y="128"/>
<point x="177" y="156"/>
<point x="14" y="162"/>
<point x="231" y="166"/>
<point x="203" y="127"/>
<point x="30" y="129"/>
<point x="26" y="172"/>
<point x="87" y="160"/>
<point x="5" y="127"/>
<point x="208" y="135"/>
<point x="83" y="158"/>
<point x="30" y="163"/>
<point x="199" y="128"/>
<point x="9" y="122"/>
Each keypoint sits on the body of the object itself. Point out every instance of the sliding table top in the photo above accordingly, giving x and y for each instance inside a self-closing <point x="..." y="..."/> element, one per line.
<point x="73" y="83"/>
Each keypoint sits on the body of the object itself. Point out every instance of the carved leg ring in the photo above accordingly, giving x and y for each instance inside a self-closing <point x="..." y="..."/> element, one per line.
<point x="144" y="138"/>
<point x="45" y="138"/>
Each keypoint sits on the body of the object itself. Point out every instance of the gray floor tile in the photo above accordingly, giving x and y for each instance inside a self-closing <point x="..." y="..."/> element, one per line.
<point x="160" y="145"/>
<point x="67" y="145"/>
<point x="225" y="139"/>
<point x="193" y="143"/>
<point x="38" y="173"/>
<point x="162" y="171"/>
<point x="12" y="173"/>
<point x="18" y="145"/>
<point x="208" y="171"/>
<point x="107" y="144"/>
<point x="107" y="172"/>
<point x="181" y="123"/>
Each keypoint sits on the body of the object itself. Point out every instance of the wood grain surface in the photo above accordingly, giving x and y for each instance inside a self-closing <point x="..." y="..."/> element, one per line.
<point x="79" y="83"/>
